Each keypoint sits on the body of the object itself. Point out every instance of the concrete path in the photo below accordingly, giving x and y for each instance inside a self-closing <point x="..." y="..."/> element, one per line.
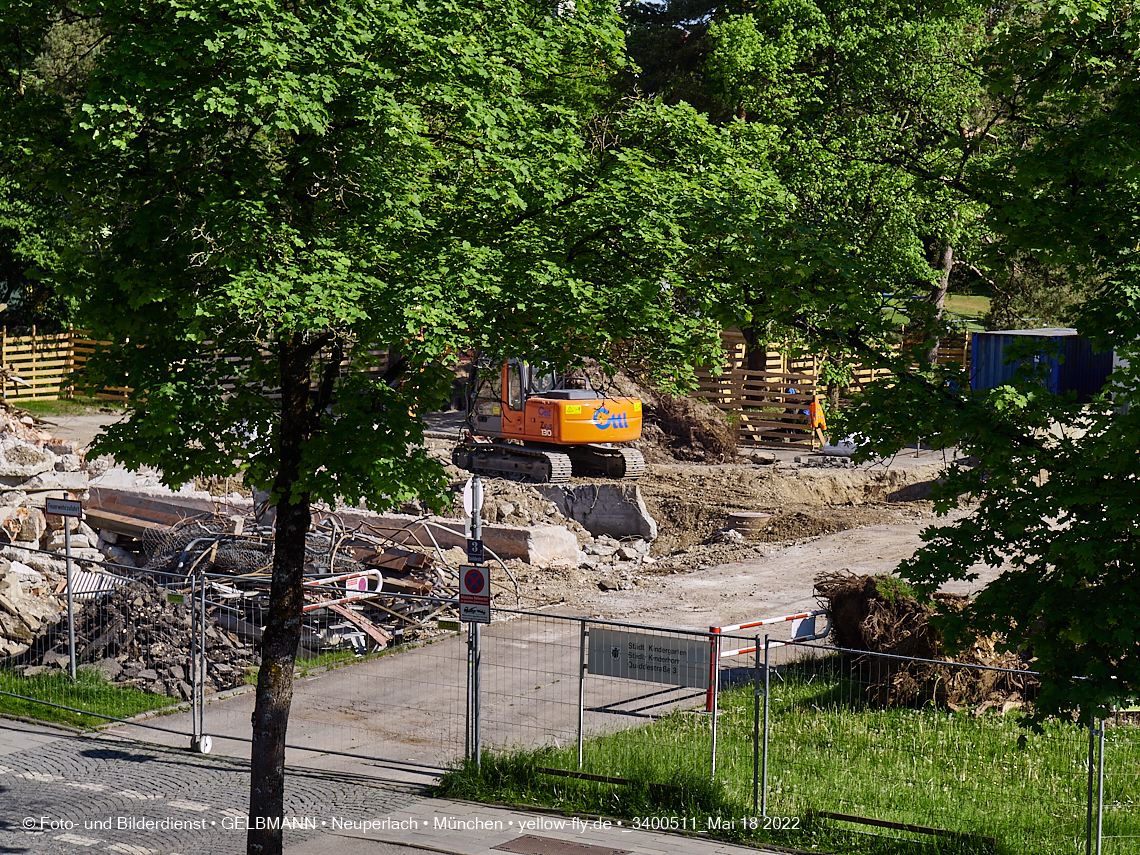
<point x="64" y="793"/>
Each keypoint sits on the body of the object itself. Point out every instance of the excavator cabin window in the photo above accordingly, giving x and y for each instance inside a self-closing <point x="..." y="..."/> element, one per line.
<point x="514" y="386"/>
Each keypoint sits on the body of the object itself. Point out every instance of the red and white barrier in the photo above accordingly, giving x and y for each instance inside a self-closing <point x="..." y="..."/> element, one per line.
<point x="799" y="625"/>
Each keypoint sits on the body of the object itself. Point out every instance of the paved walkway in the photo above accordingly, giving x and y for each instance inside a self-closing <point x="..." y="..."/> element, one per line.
<point x="63" y="793"/>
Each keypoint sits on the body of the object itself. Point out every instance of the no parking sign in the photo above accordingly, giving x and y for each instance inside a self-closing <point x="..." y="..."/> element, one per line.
<point x="474" y="594"/>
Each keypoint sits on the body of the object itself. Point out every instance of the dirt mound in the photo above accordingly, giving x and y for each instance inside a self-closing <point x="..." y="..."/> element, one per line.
<point x="676" y="428"/>
<point x="880" y="614"/>
<point x="791" y="524"/>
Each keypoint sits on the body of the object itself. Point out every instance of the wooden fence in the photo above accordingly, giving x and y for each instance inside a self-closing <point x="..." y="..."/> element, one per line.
<point x="46" y="363"/>
<point x="768" y="406"/>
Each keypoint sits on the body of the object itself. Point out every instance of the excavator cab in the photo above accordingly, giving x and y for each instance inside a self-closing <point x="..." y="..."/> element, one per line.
<point x="528" y="420"/>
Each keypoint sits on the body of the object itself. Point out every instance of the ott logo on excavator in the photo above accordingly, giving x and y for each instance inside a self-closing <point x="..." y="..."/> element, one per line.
<point x="614" y="420"/>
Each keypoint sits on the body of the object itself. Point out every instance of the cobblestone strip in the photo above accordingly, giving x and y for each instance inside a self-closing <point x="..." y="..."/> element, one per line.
<point x="95" y="795"/>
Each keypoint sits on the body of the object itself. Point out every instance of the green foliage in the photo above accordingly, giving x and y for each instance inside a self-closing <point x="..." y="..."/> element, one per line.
<point x="360" y="176"/>
<point x="892" y="587"/>
<point x="1053" y="478"/>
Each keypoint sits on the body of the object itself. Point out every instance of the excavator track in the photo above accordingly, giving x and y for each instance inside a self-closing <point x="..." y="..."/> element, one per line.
<point x="500" y="460"/>
<point x="611" y="461"/>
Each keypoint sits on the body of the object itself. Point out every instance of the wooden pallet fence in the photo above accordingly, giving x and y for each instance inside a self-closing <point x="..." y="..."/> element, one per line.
<point x="44" y="361"/>
<point x="83" y="348"/>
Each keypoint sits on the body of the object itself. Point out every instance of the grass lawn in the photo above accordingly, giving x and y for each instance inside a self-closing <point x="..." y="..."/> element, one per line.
<point x="994" y="786"/>
<point x="90" y="690"/>
<point x="968" y="305"/>
<point x="77" y="406"/>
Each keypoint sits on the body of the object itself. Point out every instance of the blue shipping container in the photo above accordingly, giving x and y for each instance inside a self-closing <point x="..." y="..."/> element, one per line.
<point x="1080" y="369"/>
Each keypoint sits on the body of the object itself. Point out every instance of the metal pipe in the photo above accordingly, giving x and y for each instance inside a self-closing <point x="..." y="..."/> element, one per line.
<point x="468" y="718"/>
<point x="1089" y="814"/>
<point x="70" y="596"/>
<point x="756" y="730"/>
<point x="477" y="739"/>
<point x="195" y="676"/>
<point x="581" y="692"/>
<point x="1100" y="791"/>
<point x="202" y="657"/>
<point x="715" y="716"/>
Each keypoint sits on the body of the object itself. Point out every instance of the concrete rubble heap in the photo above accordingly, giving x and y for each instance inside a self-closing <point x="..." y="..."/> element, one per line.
<point x="33" y="467"/>
<point x="136" y="636"/>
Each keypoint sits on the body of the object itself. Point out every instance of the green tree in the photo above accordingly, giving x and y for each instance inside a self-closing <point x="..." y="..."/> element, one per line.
<point x="1055" y="477"/>
<point x="872" y="113"/>
<point x="263" y="191"/>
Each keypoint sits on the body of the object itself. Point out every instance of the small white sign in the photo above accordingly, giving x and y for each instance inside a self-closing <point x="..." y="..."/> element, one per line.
<point x="471" y="502"/>
<point x="671" y="659"/>
<point x="64" y="507"/>
<point x="474" y="594"/>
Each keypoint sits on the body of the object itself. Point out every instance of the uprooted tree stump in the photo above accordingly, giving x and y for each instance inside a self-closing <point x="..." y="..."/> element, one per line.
<point x="878" y="615"/>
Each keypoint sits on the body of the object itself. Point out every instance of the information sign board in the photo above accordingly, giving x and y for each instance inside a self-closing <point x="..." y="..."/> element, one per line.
<point x="474" y="595"/>
<point x="672" y="659"/>
<point x="63" y="507"/>
<point x="475" y="551"/>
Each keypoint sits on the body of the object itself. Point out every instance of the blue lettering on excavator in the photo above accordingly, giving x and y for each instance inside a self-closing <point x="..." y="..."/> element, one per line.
<point x="615" y="420"/>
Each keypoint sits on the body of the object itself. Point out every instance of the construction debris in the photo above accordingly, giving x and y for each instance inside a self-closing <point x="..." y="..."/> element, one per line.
<point x="137" y="636"/>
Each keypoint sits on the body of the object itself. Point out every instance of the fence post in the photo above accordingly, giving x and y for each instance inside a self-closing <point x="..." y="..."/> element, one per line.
<point x="756" y="728"/>
<point x="476" y="736"/>
<point x="715" y="704"/>
<point x="1100" y="790"/>
<point x="714" y="666"/>
<point x="70" y="595"/>
<point x="1089" y="813"/>
<point x="581" y="690"/>
<point x="467" y="711"/>
<point x="767" y="687"/>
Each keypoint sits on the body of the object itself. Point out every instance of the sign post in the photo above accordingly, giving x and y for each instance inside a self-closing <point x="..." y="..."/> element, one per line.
<point x="474" y="605"/>
<point x="67" y="508"/>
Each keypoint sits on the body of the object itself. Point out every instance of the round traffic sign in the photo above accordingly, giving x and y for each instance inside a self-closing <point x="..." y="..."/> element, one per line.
<point x="474" y="580"/>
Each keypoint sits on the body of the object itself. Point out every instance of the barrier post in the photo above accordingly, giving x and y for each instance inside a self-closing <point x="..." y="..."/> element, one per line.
<point x="767" y="693"/>
<point x="714" y="669"/>
<point x="756" y="729"/>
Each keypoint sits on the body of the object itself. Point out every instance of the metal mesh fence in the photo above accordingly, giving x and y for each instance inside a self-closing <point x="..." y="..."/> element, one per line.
<point x="615" y="701"/>
<point x="1120" y="801"/>
<point x="842" y="760"/>
<point x="403" y="699"/>
<point x="131" y="653"/>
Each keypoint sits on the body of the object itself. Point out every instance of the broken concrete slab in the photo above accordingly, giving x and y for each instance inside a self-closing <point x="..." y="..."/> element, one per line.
<point x="19" y="460"/>
<point x="614" y="509"/>
<point x="539" y="545"/>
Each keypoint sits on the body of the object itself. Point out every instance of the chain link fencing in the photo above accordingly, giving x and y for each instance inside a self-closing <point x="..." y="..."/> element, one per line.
<point x="860" y="748"/>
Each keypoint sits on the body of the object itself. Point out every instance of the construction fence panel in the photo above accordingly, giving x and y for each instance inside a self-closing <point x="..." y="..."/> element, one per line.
<point x="1119" y="803"/>
<point x="131" y="648"/>
<point x="865" y="745"/>
<point x="601" y="699"/>
<point x="400" y="699"/>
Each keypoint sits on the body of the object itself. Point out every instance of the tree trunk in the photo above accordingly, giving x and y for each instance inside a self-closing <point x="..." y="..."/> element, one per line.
<point x="283" y="627"/>
<point x="938" y="294"/>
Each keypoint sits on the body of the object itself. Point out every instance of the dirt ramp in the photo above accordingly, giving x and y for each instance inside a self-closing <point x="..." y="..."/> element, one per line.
<point x="848" y="486"/>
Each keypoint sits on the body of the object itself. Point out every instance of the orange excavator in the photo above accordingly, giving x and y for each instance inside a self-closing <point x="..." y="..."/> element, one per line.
<point x="528" y="421"/>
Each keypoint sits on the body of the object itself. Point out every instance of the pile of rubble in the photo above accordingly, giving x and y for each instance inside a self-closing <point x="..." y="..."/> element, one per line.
<point x="137" y="636"/>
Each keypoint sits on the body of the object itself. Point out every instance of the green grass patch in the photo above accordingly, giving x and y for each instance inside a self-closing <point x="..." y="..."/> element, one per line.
<point x="77" y="406"/>
<point x="982" y="778"/>
<point x="967" y="305"/>
<point x="90" y="690"/>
